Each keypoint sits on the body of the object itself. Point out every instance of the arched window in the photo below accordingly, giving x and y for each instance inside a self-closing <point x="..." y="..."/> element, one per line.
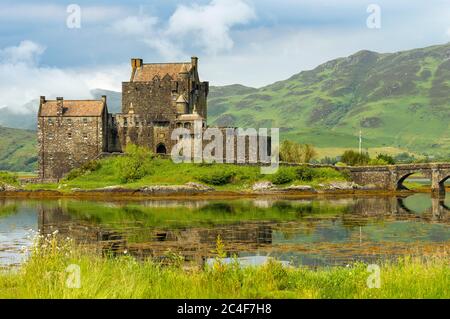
<point x="161" y="149"/>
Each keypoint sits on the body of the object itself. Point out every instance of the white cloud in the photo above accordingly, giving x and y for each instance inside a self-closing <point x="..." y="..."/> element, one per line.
<point x="206" y="27"/>
<point x="22" y="79"/>
<point x="210" y="25"/>
<point x="27" y="52"/>
<point x="448" y="32"/>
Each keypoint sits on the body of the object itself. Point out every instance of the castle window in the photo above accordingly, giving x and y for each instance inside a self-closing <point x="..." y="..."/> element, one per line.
<point x="69" y="135"/>
<point x="85" y="136"/>
<point x="187" y="125"/>
<point x="50" y="136"/>
<point x="69" y="121"/>
<point x="85" y="120"/>
<point x="161" y="124"/>
<point x="50" y="121"/>
<point x="125" y="122"/>
<point x="179" y="124"/>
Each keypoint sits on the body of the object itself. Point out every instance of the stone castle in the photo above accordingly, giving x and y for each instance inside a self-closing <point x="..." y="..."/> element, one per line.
<point x="158" y="98"/>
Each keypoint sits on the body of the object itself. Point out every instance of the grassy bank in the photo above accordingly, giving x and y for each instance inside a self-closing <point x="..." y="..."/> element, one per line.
<point x="139" y="168"/>
<point x="45" y="276"/>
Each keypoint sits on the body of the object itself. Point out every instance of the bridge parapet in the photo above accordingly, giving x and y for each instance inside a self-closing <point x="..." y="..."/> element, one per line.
<point x="391" y="177"/>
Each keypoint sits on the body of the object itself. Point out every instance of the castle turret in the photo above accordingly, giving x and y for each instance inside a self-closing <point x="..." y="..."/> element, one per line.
<point x="182" y="105"/>
<point x="59" y="106"/>
<point x="194" y="61"/>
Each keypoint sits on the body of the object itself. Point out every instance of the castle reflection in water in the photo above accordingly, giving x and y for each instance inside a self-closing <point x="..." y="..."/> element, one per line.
<point x="267" y="236"/>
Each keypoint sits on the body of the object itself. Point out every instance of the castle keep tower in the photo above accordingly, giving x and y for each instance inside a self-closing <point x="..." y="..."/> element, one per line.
<point x="70" y="133"/>
<point x="158" y="98"/>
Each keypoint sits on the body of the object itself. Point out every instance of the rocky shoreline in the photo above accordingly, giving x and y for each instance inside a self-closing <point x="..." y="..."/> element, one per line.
<point x="192" y="189"/>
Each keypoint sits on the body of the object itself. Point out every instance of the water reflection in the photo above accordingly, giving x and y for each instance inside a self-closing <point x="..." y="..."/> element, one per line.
<point x="315" y="231"/>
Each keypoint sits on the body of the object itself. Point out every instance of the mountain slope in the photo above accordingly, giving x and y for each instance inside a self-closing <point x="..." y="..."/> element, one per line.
<point x="398" y="99"/>
<point x="18" y="150"/>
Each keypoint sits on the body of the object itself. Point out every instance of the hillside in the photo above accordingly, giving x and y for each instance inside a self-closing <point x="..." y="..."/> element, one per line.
<point x="398" y="100"/>
<point x="18" y="150"/>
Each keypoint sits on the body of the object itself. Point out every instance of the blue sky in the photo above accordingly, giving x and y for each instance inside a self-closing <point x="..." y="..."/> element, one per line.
<point x="252" y="42"/>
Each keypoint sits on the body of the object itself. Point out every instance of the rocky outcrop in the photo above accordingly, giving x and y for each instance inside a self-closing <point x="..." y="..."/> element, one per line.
<point x="8" y="188"/>
<point x="262" y="186"/>
<point x="344" y="186"/>
<point x="300" y="188"/>
<point x="189" y="188"/>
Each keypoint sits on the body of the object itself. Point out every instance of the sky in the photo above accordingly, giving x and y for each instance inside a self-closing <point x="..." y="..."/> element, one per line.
<point x="67" y="48"/>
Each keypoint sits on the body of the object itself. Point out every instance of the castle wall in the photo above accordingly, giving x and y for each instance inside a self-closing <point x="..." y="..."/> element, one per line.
<point x="68" y="142"/>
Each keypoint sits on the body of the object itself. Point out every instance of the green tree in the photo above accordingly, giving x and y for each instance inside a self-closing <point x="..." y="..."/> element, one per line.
<point x="353" y="158"/>
<point x="386" y="158"/>
<point x="135" y="164"/>
<point x="293" y="152"/>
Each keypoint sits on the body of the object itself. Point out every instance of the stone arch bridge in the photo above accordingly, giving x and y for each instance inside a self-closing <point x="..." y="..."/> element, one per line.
<point x="391" y="177"/>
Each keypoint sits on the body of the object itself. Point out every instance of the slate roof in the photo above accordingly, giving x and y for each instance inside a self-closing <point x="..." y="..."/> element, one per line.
<point x="148" y="71"/>
<point x="73" y="108"/>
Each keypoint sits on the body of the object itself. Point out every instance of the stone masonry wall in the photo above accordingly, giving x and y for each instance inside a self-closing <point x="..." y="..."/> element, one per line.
<point x="68" y="142"/>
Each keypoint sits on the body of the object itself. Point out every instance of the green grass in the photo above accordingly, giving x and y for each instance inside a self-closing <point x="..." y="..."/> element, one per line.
<point x="45" y="276"/>
<point x="8" y="178"/>
<point x="164" y="172"/>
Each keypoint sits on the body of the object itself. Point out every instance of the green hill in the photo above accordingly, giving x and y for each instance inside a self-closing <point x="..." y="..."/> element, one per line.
<point x="18" y="151"/>
<point x="399" y="100"/>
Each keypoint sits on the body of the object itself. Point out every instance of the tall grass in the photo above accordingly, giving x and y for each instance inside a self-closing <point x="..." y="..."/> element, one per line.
<point x="45" y="276"/>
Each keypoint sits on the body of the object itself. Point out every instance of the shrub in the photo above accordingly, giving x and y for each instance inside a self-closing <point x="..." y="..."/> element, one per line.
<point x="386" y="158"/>
<point x="135" y="164"/>
<point x="353" y="158"/>
<point x="8" y="178"/>
<point x="305" y="173"/>
<point x="217" y="177"/>
<point x="329" y="160"/>
<point x="283" y="176"/>
<point x="87" y="167"/>
<point x="293" y="152"/>
<point x="405" y="158"/>
<point x="377" y="161"/>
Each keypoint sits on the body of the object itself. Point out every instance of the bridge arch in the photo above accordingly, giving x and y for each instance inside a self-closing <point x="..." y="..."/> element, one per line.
<point x="442" y="183"/>
<point x="401" y="180"/>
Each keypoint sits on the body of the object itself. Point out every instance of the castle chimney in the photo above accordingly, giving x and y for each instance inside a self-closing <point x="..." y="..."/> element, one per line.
<point x="136" y="63"/>
<point x="42" y="100"/>
<point x="104" y="99"/>
<point x="59" y="106"/>
<point x="194" y="61"/>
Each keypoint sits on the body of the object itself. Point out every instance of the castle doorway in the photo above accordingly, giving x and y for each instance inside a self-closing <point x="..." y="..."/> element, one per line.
<point x="161" y="149"/>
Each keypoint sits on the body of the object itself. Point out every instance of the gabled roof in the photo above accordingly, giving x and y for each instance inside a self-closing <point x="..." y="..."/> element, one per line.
<point x="147" y="72"/>
<point x="181" y="99"/>
<point x="73" y="108"/>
